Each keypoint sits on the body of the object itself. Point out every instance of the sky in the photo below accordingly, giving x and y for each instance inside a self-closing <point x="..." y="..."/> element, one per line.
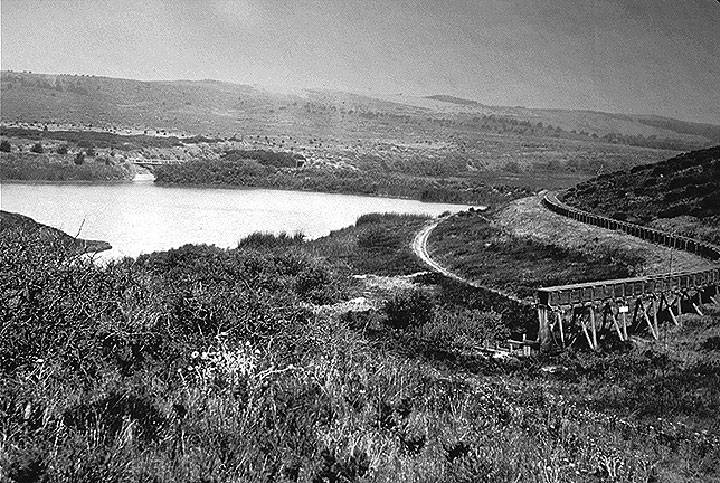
<point x="628" y="56"/>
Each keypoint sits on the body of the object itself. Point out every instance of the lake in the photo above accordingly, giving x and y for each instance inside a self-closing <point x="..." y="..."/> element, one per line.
<point x="140" y="217"/>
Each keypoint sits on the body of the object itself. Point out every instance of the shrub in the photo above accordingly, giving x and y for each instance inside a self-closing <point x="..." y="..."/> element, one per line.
<point x="268" y="240"/>
<point x="62" y="149"/>
<point x="465" y="328"/>
<point x="79" y="158"/>
<point x="36" y="148"/>
<point x="408" y="310"/>
<point x="5" y="146"/>
<point x="378" y="238"/>
<point x="107" y="415"/>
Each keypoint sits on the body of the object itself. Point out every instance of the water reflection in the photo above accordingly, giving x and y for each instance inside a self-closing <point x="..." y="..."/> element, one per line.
<point x="140" y="217"/>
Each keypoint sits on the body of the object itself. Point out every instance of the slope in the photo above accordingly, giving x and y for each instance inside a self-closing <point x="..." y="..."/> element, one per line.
<point x="680" y="194"/>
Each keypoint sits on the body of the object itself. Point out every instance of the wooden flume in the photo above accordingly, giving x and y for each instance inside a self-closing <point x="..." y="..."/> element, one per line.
<point x="596" y="313"/>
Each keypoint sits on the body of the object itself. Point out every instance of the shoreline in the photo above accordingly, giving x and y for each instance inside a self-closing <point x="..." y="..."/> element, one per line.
<point x="345" y="193"/>
<point x="67" y="182"/>
<point x="29" y="225"/>
<point x="227" y="187"/>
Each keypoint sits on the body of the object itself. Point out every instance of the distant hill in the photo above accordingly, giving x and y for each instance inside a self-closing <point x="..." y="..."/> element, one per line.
<point x="593" y="122"/>
<point x="453" y="100"/>
<point x="215" y="108"/>
<point x="709" y="131"/>
<point x="681" y="194"/>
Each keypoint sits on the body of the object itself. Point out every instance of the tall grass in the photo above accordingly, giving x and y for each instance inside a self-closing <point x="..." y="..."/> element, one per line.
<point x="202" y="364"/>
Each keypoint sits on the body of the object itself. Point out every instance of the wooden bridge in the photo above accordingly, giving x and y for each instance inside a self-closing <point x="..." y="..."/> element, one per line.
<point x="597" y="312"/>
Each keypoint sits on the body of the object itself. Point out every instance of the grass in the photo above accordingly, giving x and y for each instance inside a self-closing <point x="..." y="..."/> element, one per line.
<point x="13" y="222"/>
<point x="201" y="364"/>
<point x="681" y="194"/>
<point x="57" y="167"/>
<point x="229" y="172"/>
<point x="378" y="244"/>
<point x="470" y="245"/>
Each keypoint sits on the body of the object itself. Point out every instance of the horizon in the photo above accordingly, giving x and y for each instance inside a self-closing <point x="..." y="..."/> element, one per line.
<point x="621" y="57"/>
<point x="280" y="90"/>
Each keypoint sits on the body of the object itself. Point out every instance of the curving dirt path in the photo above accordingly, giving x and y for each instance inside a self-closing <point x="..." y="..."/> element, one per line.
<point x="420" y="248"/>
<point x="526" y="217"/>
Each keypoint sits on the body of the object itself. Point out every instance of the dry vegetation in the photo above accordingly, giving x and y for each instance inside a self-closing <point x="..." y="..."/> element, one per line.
<point x="681" y="194"/>
<point x="482" y="252"/>
<point x="476" y="144"/>
<point x="202" y="364"/>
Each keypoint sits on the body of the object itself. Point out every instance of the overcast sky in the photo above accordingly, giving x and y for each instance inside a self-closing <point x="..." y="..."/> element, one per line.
<point x="631" y="56"/>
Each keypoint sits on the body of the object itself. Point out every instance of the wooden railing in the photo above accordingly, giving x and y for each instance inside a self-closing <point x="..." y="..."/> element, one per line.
<point x="691" y="245"/>
<point x="705" y="284"/>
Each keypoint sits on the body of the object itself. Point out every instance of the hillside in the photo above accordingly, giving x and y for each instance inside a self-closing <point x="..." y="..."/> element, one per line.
<point x="213" y="107"/>
<point x="441" y="140"/>
<point x="680" y="194"/>
<point x="251" y="364"/>
<point x="592" y="122"/>
<point x="12" y="224"/>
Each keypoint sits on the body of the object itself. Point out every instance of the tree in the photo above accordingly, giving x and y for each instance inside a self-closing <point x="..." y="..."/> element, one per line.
<point x="5" y="146"/>
<point x="62" y="149"/>
<point x="79" y="158"/>
<point x="36" y="148"/>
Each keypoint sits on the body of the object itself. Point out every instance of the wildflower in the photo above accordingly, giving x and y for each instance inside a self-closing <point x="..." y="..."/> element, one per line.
<point x="194" y="354"/>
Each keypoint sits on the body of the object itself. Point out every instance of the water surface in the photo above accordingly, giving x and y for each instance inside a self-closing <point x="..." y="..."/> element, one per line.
<point x="140" y="217"/>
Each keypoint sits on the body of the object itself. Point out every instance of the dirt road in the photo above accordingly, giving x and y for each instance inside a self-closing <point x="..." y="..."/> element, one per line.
<point x="420" y="248"/>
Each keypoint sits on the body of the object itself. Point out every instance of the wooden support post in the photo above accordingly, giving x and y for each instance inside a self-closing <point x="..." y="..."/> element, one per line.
<point x="647" y="321"/>
<point x="592" y="324"/>
<point x="672" y="315"/>
<point x="544" y="327"/>
<point x="695" y="306"/>
<point x="678" y="301"/>
<point x="617" y="327"/>
<point x="655" y="322"/>
<point x="604" y="322"/>
<point x="624" y="319"/>
<point x="587" y="335"/>
<point x="635" y="313"/>
<point x="560" y="325"/>
<point x="696" y="309"/>
<point x="714" y="298"/>
<point x="585" y="330"/>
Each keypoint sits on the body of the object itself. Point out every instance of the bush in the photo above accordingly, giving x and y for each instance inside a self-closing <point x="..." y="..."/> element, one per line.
<point x="62" y="149"/>
<point x="239" y="171"/>
<point x="268" y="240"/>
<point x="5" y="146"/>
<point x="411" y="310"/>
<point x="36" y="148"/>
<point x="378" y="239"/>
<point x="79" y="158"/>
<point x="463" y="328"/>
